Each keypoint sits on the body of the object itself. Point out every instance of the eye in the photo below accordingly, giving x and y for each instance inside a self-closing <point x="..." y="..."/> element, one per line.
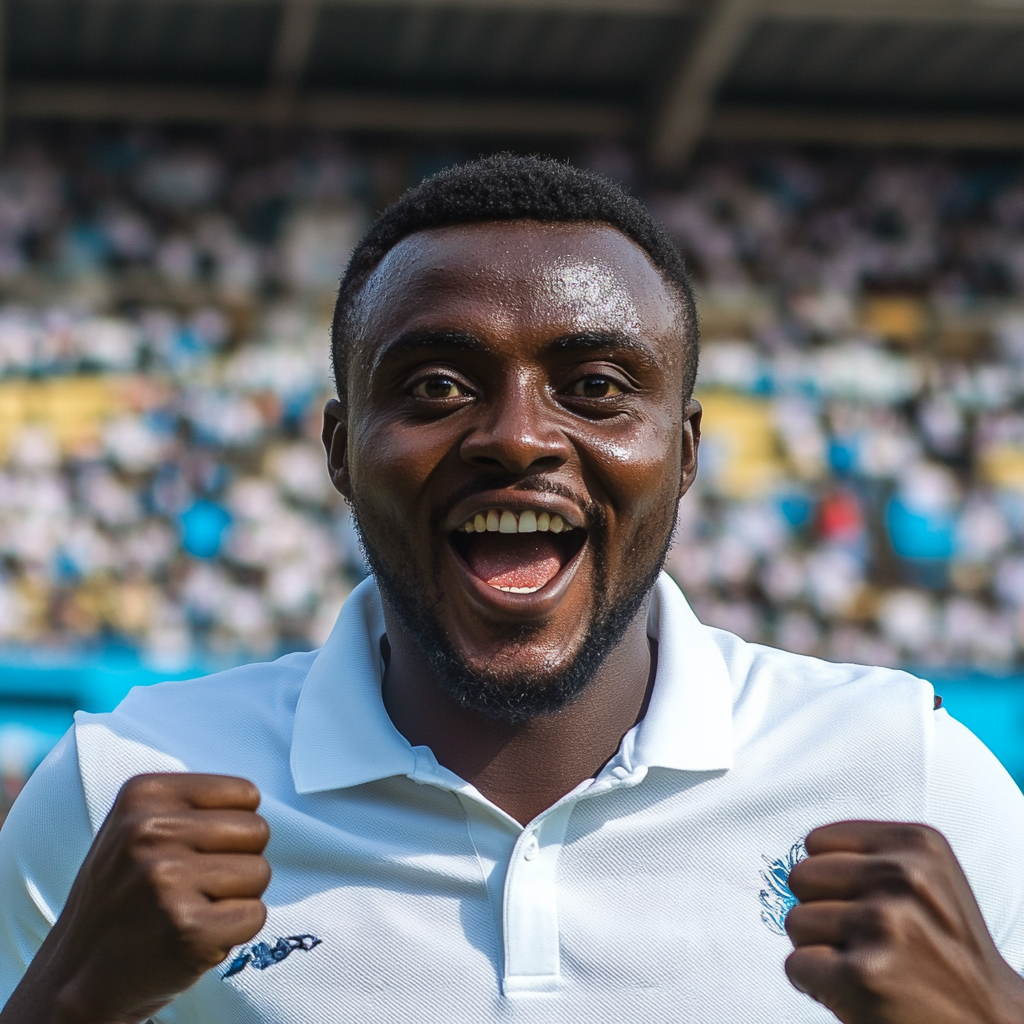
<point x="438" y="388"/>
<point x="595" y="387"/>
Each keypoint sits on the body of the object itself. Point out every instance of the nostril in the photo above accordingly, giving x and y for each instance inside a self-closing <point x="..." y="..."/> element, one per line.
<point x="511" y="459"/>
<point x="515" y="446"/>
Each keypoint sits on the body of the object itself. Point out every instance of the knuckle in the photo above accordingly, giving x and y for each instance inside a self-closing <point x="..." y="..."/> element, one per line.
<point x="933" y="841"/>
<point x="234" y="788"/>
<point x="258" y="917"/>
<point x="244" y="920"/>
<point x="188" y="918"/>
<point x="888" y="874"/>
<point x="263" y="873"/>
<point x="198" y="951"/>
<point x="795" y="919"/>
<point x="163" y="874"/>
<point x="143" y="789"/>
<point x="145" y="828"/>
<point x="917" y="878"/>
<point x="858" y="971"/>
<point x="261" y="830"/>
<point x="800" y="872"/>
<point x="794" y="965"/>
<point x="251" y="790"/>
<point x="920" y="838"/>
<point x="869" y="970"/>
<point x="881" y="919"/>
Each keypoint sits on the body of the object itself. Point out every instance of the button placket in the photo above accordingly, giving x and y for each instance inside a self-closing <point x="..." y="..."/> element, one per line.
<point x="532" y="948"/>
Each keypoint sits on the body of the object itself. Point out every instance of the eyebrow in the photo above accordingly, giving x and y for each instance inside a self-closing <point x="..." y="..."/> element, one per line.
<point x="412" y="342"/>
<point x="604" y="341"/>
<point x="582" y="343"/>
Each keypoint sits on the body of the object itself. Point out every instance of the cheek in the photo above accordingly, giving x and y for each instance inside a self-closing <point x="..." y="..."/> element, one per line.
<point x="638" y="471"/>
<point x="391" y="464"/>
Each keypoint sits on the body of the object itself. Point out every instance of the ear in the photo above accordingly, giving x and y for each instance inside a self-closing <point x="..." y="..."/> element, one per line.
<point x="335" y="438"/>
<point x="691" y="442"/>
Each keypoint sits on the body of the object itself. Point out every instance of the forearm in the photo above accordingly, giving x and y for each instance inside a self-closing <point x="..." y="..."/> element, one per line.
<point x="56" y="991"/>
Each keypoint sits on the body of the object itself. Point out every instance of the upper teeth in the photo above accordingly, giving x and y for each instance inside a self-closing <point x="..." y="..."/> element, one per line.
<point x="504" y="521"/>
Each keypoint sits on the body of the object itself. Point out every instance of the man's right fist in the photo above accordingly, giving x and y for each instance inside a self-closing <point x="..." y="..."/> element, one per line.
<point x="172" y="881"/>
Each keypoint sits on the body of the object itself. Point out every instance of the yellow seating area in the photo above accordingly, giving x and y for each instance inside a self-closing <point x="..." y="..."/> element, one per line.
<point x="740" y="452"/>
<point x="72" y="409"/>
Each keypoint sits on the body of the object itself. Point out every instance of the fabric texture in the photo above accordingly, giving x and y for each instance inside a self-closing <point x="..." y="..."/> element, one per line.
<point x="653" y="892"/>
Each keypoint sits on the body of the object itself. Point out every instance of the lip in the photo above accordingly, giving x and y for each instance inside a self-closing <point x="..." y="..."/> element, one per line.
<point x="490" y="601"/>
<point x="515" y="501"/>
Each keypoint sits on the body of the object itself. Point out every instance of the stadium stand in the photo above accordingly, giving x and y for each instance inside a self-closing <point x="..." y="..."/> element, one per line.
<point x="182" y="182"/>
<point x="164" y="356"/>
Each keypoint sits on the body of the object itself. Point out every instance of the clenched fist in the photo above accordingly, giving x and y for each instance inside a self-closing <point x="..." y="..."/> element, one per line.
<point x="172" y="881"/>
<point x="888" y="931"/>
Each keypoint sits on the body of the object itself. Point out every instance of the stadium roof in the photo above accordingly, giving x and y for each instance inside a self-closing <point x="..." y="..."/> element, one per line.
<point x="662" y="73"/>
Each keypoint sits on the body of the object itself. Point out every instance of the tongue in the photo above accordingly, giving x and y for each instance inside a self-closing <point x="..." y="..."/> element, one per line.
<point x="513" y="560"/>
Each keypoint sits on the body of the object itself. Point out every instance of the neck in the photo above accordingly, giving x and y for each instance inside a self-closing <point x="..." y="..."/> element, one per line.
<point x="522" y="768"/>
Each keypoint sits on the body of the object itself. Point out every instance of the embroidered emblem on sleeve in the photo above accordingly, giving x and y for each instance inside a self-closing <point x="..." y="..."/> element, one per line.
<point x="261" y="955"/>
<point x="776" y="898"/>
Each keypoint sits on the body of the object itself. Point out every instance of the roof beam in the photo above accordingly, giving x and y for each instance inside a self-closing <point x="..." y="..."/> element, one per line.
<point x="934" y="11"/>
<point x="291" y="54"/>
<point x="4" y="111"/>
<point x="687" y="102"/>
<point x="633" y="7"/>
<point x="327" y="111"/>
<point x="773" y="124"/>
<point x="332" y="111"/>
<point x="976" y="11"/>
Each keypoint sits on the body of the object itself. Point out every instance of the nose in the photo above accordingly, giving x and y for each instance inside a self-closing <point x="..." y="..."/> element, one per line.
<point x="518" y="431"/>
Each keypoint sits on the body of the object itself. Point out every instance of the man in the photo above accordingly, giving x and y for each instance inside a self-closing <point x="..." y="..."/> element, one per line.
<point x="520" y="782"/>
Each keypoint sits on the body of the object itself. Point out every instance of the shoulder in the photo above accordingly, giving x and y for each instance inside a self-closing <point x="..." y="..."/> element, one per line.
<point x="42" y="844"/>
<point x="237" y="722"/>
<point x="262" y="691"/>
<point x="780" y="682"/>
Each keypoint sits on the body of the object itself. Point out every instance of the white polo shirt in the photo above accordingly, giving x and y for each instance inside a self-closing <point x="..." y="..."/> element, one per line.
<point x="654" y="892"/>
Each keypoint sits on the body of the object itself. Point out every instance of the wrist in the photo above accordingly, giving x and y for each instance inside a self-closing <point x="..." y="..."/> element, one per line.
<point x="37" y="1001"/>
<point x="75" y="1004"/>
<point x="1010" y="999"/>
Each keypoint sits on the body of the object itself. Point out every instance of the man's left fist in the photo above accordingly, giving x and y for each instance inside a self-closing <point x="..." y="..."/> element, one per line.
<point x="887" y="931"/>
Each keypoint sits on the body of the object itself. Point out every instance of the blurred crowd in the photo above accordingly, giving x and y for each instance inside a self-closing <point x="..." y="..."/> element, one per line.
<point x="164" y="356"/>
<point x="164" y="319"/>
<point x="862" y="491"/>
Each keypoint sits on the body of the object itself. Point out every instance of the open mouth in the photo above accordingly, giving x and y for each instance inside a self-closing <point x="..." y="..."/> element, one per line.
<point x="517" y="552"/>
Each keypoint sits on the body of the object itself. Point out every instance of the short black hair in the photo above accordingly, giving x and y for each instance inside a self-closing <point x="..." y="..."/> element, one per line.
<point x="507" y="187"/>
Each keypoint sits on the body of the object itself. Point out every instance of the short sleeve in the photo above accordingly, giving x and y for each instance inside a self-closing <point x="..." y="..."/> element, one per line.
<point x="975" y="804"/>
<point x="42" y="845"/>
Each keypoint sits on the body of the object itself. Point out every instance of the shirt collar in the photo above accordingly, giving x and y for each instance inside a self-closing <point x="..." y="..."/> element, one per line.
<point x="688" y="725"/>
<point x="343" y="736"/>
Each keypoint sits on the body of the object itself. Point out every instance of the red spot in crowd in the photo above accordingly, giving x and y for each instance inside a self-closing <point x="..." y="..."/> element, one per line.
<point x="840" y="518"/>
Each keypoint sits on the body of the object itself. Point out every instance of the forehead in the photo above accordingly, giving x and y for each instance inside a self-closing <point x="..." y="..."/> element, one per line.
<point x="519" y="276"/>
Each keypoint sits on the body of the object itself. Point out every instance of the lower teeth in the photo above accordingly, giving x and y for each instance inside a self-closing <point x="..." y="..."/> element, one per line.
<point x="518" y="590"/>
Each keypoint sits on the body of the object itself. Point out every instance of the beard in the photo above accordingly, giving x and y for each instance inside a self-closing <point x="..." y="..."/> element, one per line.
<point x="499" y="696"/>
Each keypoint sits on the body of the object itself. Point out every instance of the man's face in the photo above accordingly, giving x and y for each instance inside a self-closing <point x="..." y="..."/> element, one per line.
<point x="516" y="441"/>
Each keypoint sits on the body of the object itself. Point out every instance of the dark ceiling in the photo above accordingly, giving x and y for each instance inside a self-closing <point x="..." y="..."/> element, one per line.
<point x="665" y="71"/>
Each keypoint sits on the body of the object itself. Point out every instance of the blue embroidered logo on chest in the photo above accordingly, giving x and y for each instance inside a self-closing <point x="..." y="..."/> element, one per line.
<point x="777" y="900"/>
<point x="261" y="955"/>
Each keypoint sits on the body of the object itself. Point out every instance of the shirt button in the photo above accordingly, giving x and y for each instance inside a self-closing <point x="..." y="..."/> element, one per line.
<point x="531" y="849"/>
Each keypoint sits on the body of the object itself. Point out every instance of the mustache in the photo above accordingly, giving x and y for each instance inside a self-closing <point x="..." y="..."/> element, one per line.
<point x="593" y="515"/>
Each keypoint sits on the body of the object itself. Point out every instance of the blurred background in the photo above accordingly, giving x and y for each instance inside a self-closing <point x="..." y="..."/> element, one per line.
<point x="181" y="182"/>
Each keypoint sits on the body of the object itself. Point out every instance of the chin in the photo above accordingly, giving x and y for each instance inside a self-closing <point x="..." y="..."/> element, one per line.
<point x="510" y="656"/>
